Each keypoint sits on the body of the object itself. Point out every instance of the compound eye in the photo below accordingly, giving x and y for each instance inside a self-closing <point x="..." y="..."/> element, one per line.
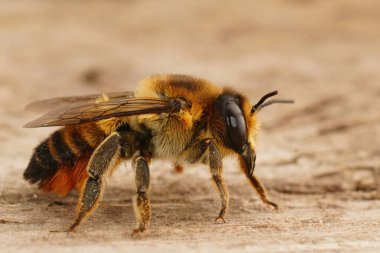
<point x="236" y="126"/>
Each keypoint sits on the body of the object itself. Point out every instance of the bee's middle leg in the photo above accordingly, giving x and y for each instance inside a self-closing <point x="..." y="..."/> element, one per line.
<point x="141" y="201"/>
<point x="216" y="169"/>
<point x="103" y="159"/>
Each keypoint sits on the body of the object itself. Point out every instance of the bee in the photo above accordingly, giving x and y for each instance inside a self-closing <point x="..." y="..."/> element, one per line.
<point x="182" y="118"/>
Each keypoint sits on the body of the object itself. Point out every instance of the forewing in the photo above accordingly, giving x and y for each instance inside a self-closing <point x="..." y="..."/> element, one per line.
<point x="82" y="112"/>
<point x="61" y="102"/>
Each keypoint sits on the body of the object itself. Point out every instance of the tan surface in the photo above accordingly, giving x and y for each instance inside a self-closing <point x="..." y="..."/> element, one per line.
<point x="318" y="158"/>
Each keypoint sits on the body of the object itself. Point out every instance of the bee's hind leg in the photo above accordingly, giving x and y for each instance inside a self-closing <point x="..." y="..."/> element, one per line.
<point x="141" y="202"/>
<point x="104" y="158"/>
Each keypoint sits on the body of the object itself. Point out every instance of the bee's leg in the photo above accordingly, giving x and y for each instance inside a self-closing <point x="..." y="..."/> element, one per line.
<point x="198" y="153"/>
<point x="258" y="186"/>
<point x="261" y="191"/>
<point x="104" y="158"/>
<point x="178" y="168"/>
<point x="141" y="201"/>
<point x="216" y="168"/>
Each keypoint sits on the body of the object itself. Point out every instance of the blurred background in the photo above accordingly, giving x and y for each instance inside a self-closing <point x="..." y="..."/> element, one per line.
<point x="319" y="158"/>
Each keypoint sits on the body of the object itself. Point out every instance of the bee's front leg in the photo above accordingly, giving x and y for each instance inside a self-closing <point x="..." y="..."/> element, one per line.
<point x="141" y="201"/>
<point x="256" y="183"/>
<point x="207" y="149"/>
<point x="103" y="159"/>
<point x="177" y="167"/>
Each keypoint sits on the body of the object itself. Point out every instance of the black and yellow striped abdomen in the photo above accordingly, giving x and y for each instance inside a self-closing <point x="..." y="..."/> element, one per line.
<point x="63" y="149"/>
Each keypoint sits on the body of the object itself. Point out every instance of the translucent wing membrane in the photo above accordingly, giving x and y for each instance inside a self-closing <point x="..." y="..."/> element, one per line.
<point x="55" y="103"/>
<point x="76" y="110"/>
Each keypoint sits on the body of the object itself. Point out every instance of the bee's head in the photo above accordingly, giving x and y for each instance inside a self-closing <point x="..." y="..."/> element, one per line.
<point x="236" y="124"/>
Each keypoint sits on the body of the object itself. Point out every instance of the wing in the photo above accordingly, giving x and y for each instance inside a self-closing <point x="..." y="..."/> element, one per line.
<point x="87" y="110"/>
<point x="59" y="102"/>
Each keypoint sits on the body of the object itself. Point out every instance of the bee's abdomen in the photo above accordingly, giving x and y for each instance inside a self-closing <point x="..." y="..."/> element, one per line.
<point x="62" y="150"/>
<point x="42" y="164"/>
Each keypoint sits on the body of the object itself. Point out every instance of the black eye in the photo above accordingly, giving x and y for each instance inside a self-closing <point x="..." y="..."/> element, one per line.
<point x="236" y="127"/>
